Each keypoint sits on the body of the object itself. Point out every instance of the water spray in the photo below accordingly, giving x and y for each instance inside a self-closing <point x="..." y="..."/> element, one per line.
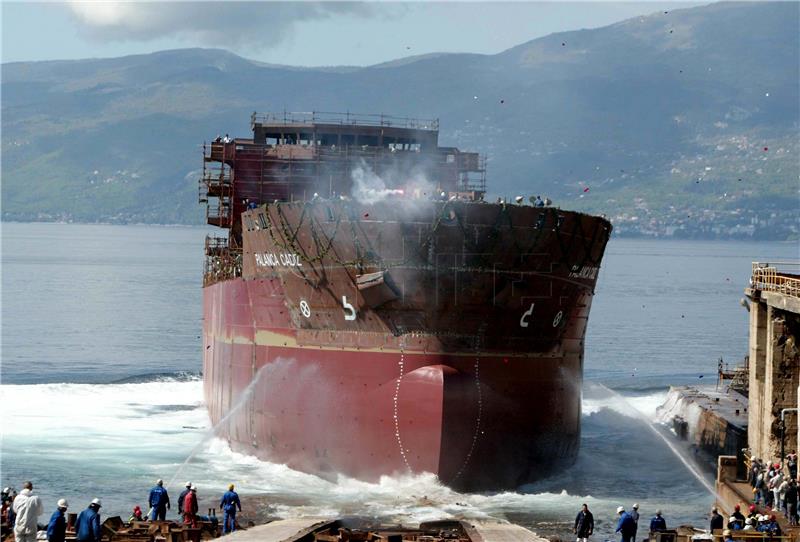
<point x="243" y="398"/>
<point x="686" y="463"/>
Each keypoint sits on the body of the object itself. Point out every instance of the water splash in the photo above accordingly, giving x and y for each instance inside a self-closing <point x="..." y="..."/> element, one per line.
<point x="243" y="398"/>
<point x="671" y="445"/>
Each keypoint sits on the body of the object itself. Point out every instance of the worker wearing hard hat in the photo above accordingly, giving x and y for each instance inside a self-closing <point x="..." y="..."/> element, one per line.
<point x="626" y="527"/>
<point x="228" y="504"/>
<point x="182" y="497"/>
<point x="158" y="501"/>
<point x="658" y="523"/>
<point x="57" y="528"/>
<point x="190" y="507"/>
<point x="87" y="528"/>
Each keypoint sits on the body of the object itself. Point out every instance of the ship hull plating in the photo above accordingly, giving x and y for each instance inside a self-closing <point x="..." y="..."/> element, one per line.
<point x="477" y="421"/>
<point x="447" y="339"/>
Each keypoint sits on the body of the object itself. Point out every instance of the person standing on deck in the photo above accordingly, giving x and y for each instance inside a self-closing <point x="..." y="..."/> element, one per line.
<point x="158" y="501"/>
<point x="791" y="503"/>
<point x="658" y="523"/>
<point x="230" y="502"/>
<point x="182" y="497"/>
<point x="190" y="507"/>
<point x="717" y="521"/>
<point x="791" y="464"/>
<point x="584" y="524"/>
<point x="626" y="527"/>
<point x="57" y="528"/>
<point x="635" y="517"/>
<point x="87" y="528"/>
<point x="27" y="508"/>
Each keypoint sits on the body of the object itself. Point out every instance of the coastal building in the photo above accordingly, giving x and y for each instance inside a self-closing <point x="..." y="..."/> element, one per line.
<point x="773" y="300"/>
<point x="774" y="295"/>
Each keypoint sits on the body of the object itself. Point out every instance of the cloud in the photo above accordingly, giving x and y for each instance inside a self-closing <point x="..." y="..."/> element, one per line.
<point x="257" y="25"/>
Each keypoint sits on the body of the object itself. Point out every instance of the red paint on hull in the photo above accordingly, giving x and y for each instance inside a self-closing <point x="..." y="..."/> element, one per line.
<point x="478" y="422"/>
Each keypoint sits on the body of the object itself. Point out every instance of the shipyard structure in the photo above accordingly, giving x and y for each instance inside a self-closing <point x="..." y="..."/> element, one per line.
<point x="773" y="377"/>
<point x="367" y="313"/>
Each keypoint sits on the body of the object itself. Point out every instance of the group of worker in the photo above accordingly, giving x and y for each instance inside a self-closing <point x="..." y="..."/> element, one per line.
<point x="754" y="521"/>
<point x="22" y="511"/>
<point x="188" y="506"/>
<point x="627" y="524"/>
<point x="775" y="486"/>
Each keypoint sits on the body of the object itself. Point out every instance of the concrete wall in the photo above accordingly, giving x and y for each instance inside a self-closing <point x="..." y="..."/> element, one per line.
<point x="774" y="376"/>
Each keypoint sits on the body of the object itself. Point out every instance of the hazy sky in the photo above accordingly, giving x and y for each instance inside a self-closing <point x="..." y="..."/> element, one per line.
<point x="296" y="33"/>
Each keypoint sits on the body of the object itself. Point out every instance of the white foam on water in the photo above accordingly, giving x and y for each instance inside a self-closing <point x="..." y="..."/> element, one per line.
<point x="85" y="421"/>
<point x="132" y="433"/>
<point x="596" y="398"/>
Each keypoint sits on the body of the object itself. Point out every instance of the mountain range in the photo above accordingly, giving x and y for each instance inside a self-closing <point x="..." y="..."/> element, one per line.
<point x="669" y="120"/>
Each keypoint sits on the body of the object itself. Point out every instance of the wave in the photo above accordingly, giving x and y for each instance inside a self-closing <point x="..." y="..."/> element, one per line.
<point x="597" y="397"/>
<point x="174" y="376"/>
<point x="132" y="433"/>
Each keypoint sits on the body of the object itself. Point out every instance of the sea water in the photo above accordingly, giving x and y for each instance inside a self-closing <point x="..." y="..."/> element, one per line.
<point x="101" y="393"/>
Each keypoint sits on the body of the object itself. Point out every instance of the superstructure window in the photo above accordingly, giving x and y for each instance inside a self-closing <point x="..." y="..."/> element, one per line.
<point x="273" y="139"/>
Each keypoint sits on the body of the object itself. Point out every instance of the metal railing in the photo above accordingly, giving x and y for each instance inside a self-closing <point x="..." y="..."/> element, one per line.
<point x="219" y="214"/>
<point x="768" y="277"/>
<point x="352" y="119"/>
<point x="222" y="261"/>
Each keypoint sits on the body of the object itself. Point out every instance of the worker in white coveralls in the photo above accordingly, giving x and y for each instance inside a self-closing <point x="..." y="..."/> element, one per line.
<point x="28" y="507"/>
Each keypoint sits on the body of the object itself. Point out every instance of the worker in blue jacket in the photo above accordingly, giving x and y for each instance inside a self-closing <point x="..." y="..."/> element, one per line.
<point x="658" y="523"/>
<point x="626" y="525"/>
<point x="87" y="529"/>
<point x="57" y="528"/>
<point x="228" y="504"/>
<point x="159" y="501"/>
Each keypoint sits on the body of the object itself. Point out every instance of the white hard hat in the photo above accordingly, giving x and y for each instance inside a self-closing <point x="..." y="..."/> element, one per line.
<point x="97" y="502"/>
<point x="188" y="484"/>
<point x="62" y="503"/>
<point x="658" y="512"/>
<point x="620" y="509"/>
<point x="193" y="487"/>
<point x="159" y="482"/>
<point x="636" y="506"/>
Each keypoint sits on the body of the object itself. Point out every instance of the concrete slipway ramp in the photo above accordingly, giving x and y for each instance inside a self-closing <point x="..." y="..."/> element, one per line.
<point x="290" y="530"/>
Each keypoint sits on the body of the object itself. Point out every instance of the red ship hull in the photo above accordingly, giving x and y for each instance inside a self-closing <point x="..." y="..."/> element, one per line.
<point x="471" y="419"/>
<point x="466" y="362"/>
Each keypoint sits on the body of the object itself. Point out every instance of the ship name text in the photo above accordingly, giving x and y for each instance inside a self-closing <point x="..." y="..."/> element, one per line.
<point x="284" y="259"/>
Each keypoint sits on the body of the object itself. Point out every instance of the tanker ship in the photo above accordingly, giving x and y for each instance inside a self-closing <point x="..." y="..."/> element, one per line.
<point x="367" y="313"/>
